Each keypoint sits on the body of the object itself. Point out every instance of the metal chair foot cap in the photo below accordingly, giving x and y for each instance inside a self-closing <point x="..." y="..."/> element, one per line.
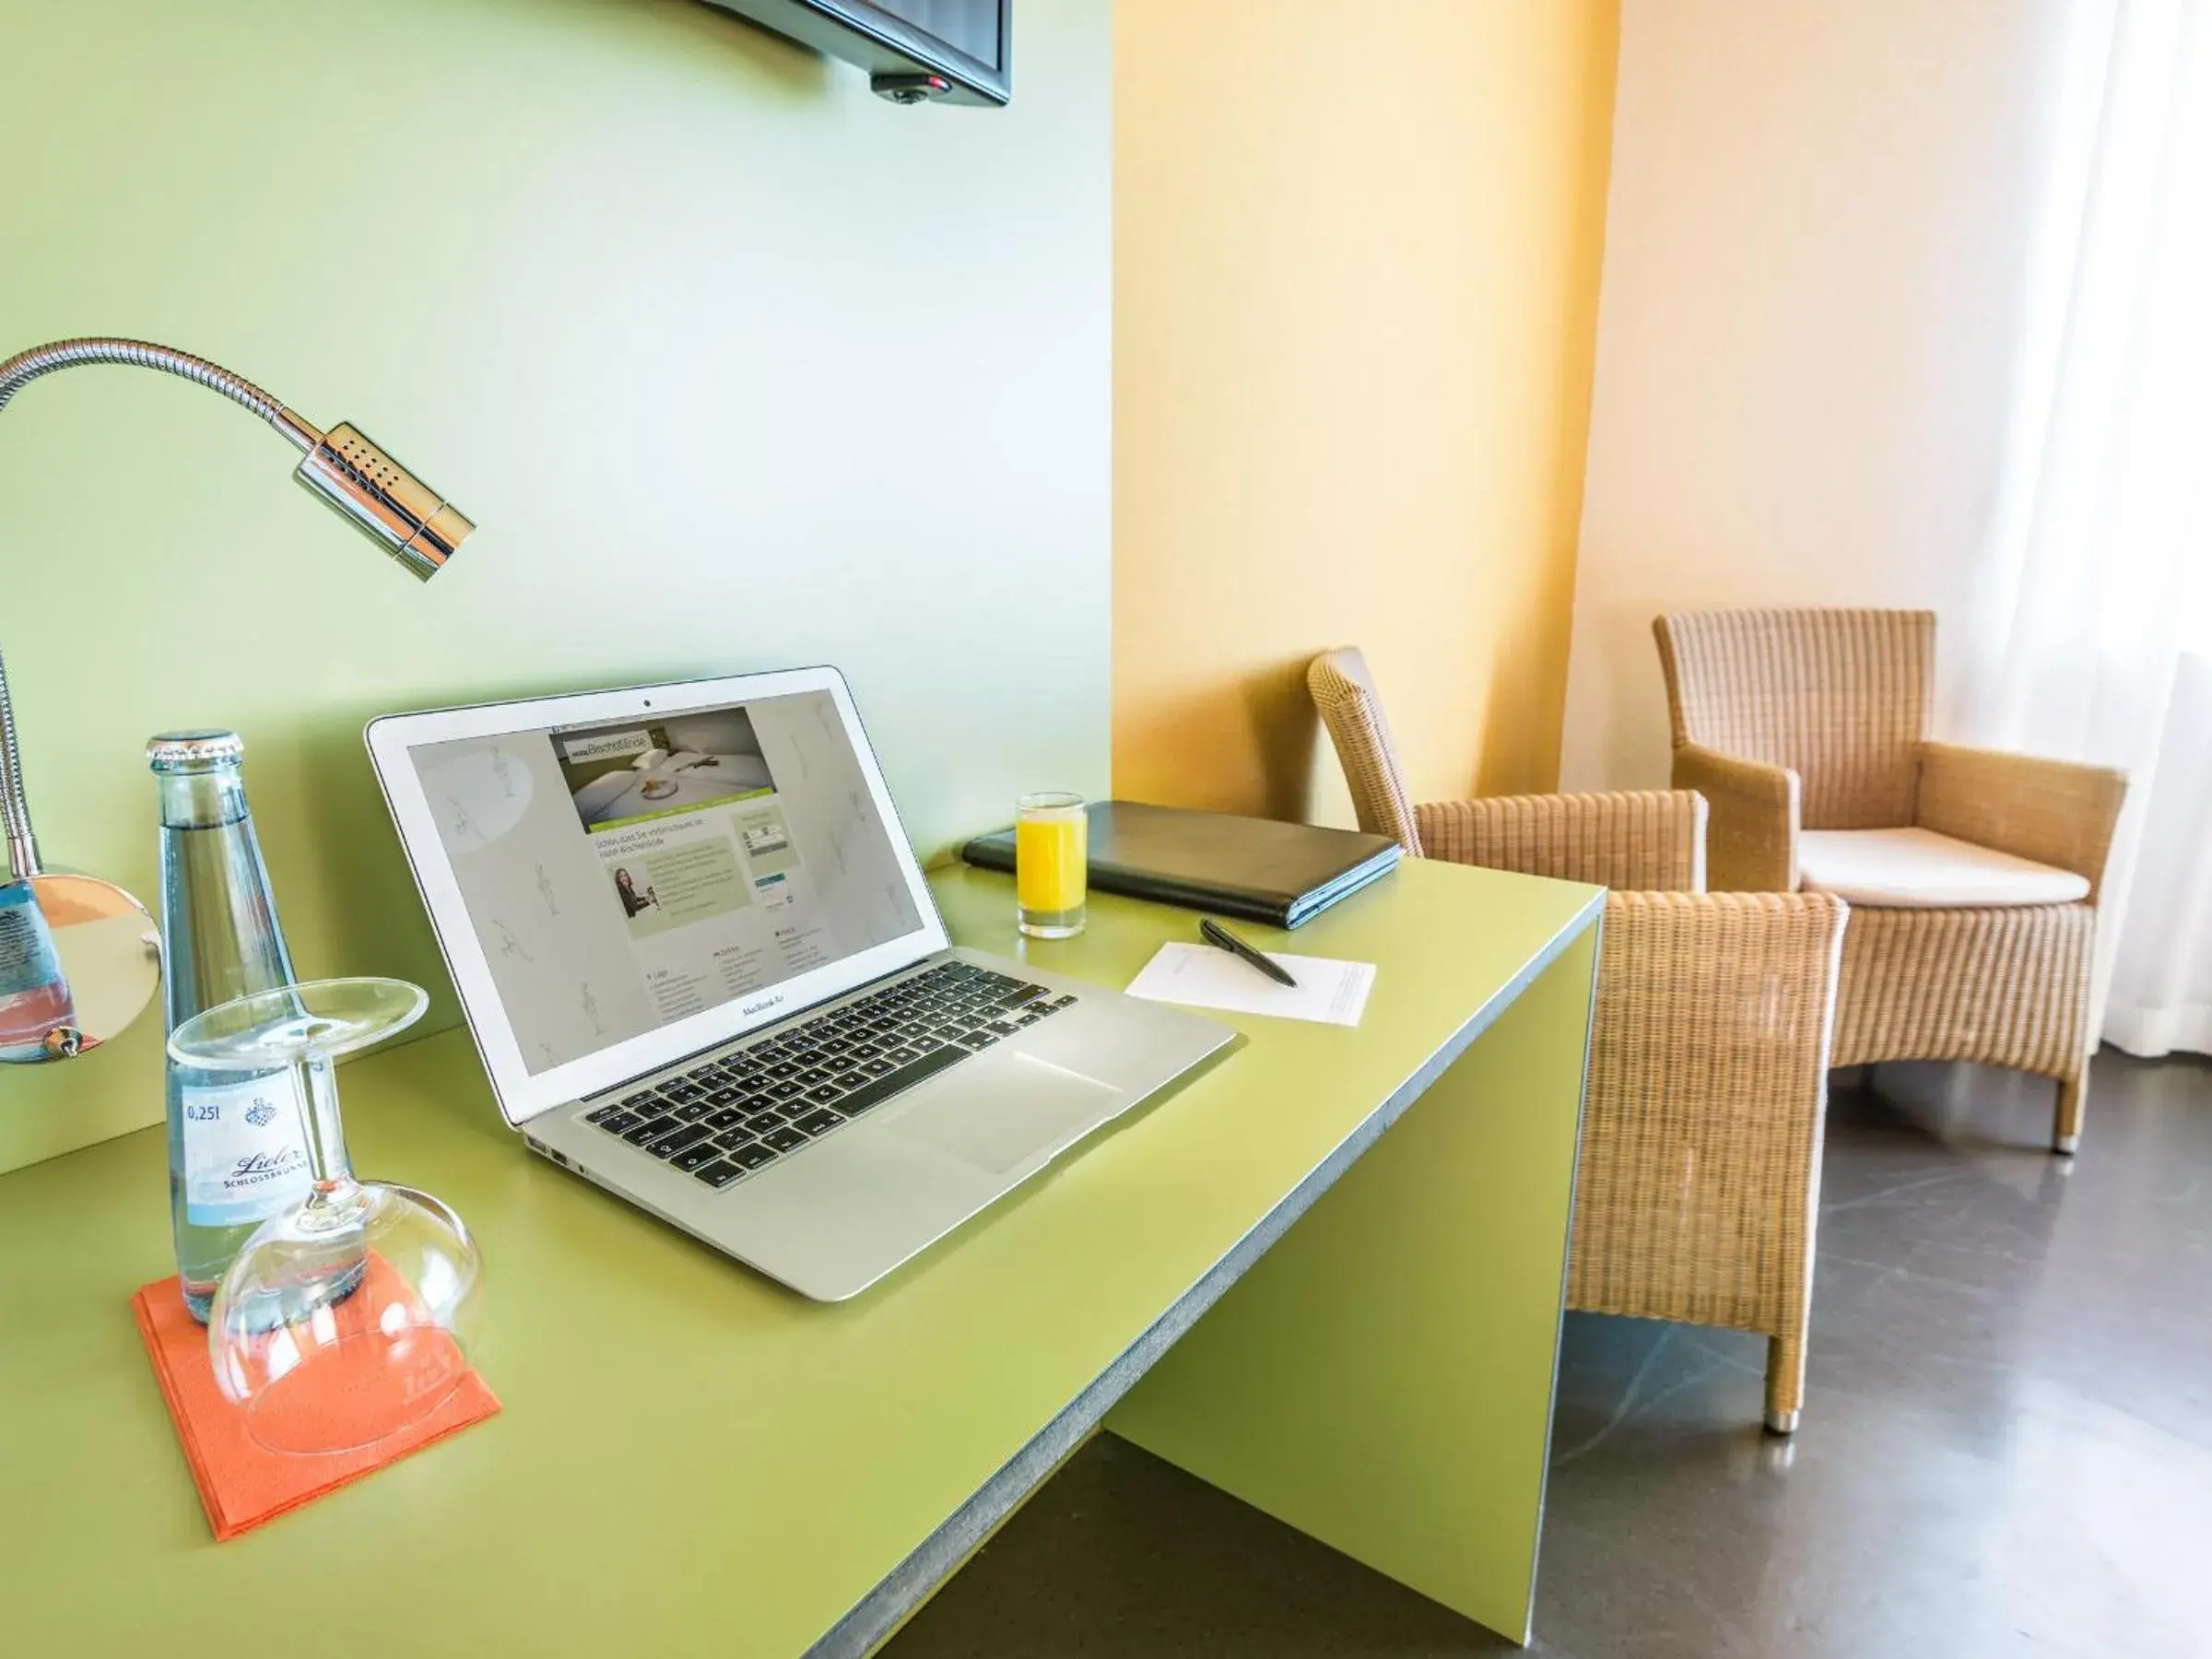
<point x="2067" y="1144"/>
<point x="1781" y="1422"/>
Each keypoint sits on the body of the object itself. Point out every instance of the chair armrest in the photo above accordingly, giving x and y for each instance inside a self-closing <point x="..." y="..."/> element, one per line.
<point x="1701" y="995"/>
<point x="1752" y="842"/>
<point x="1699" y="1174"/>
<point x="2055" y="812"/>
<point x="1642" y="839"/>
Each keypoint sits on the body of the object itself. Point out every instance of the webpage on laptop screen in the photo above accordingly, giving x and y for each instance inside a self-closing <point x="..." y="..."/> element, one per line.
<point x="624" y="876"/>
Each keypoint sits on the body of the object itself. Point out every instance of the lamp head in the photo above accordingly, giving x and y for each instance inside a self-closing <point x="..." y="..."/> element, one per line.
<point x="379" y="498"/>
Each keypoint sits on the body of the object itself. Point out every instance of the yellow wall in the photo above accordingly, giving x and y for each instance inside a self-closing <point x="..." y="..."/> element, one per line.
<point x="735" y="366"/>
<point x="1355" y="270"/>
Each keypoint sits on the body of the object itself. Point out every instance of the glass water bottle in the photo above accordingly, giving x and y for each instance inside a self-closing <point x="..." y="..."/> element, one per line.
<point x="237" y="1151"/>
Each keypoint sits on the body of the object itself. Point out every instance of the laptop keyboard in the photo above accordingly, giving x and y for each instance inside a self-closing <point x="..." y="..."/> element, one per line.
<point x="738" y="1112"/>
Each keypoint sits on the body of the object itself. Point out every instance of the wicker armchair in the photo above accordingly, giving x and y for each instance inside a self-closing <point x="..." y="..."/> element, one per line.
<point x="1973" y="875"/>
<point x="1699" y="1173"/>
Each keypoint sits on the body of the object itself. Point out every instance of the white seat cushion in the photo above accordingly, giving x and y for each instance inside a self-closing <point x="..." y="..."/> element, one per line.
<point x="1918" y="869"/>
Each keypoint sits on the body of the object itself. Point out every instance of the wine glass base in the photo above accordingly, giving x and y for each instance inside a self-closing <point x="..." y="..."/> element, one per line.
<point x="319" y="1019"/>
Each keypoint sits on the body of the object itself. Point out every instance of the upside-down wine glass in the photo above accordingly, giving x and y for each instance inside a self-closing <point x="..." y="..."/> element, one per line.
<point x="344" y="1320"/>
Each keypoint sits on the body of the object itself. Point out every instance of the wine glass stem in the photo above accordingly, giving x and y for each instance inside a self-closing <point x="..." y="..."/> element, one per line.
<point x="318" y="1085"/>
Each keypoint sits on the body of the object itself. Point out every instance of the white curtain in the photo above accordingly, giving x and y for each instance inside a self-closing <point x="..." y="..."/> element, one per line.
<point x="2091" y="632"/>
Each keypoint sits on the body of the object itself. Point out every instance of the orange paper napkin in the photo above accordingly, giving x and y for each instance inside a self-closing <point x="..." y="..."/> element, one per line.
<point x="241" y="1483"/>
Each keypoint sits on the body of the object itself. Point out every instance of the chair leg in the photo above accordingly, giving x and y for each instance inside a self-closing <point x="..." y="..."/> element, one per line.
<point x="2065" y="1135"/>
<point x="1785" y="1382"/>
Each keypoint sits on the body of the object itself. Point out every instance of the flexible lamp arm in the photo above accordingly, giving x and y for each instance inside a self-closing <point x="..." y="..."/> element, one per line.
<point x="352" y="475"/>
<point x="19" y="370"/>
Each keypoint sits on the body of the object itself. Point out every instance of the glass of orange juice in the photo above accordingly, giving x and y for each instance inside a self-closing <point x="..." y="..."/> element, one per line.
<point x="1052" y="841"/>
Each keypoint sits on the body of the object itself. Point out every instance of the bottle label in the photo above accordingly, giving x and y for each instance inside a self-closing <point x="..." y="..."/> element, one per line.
<point x="27" y="960"/>
<point x="245" y="1152"/>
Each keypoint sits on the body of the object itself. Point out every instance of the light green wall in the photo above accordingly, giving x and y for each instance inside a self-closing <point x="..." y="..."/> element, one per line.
<point x="734" y="365"/>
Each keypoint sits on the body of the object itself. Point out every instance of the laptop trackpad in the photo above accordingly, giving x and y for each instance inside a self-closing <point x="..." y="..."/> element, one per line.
<point x="1007" y="1112"/>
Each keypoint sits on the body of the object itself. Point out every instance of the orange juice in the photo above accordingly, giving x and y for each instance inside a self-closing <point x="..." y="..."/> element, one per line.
<point x="1051" y="843"/>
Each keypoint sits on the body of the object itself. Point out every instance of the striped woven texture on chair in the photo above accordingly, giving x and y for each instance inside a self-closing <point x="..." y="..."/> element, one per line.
<point x="1653" y="838"/>
<point x="1344" y="695"/>
<point x="1839" y="697"/>
<point x="2055" y="812"/>
<point x="1699" y="1176"/>
<point x="2001" y="987"/>
<point x="1817" y="719"/>
<point x="1700" y="1141"/>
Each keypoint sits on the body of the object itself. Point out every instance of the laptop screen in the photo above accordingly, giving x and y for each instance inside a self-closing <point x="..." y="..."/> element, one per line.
<point x="626" y="874"/>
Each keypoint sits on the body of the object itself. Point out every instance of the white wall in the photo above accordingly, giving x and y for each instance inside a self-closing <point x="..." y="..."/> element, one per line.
<point x="1817" y="235"/>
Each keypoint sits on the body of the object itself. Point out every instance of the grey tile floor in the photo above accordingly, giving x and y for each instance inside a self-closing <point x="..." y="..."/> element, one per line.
<point x="2007" y="1447"/>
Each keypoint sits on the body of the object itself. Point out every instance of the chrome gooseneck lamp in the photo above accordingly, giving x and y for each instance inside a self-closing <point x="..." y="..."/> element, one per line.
<point x="105" y="938"/>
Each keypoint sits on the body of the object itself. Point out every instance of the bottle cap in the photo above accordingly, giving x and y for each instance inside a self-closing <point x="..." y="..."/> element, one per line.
<point x="194" y="752"/>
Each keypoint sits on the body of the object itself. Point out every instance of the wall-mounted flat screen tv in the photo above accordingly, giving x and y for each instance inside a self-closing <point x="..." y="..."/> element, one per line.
<point x="914" y="51"/>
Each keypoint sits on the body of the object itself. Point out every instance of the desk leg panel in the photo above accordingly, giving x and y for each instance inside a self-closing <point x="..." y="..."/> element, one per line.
<point x="1382" y="1379"/>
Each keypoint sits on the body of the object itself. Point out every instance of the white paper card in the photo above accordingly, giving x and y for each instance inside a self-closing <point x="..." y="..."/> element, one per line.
<point x="1202" y="976"/>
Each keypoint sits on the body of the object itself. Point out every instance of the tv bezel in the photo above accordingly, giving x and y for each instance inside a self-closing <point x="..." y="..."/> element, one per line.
<point x="860" y="33"/>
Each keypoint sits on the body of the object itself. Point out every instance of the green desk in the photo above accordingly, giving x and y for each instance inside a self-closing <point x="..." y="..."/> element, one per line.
<point x="1354" y="1330"/>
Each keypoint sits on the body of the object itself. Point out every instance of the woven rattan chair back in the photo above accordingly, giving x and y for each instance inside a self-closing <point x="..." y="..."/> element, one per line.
<point x="1840" y="696"/>
<point x="1344" y="692"/>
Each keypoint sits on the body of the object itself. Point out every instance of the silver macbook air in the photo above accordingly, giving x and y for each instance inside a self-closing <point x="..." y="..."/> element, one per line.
<point x="704" y="970"/>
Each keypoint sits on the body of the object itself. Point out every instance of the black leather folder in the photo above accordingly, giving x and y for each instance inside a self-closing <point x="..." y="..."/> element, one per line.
<point x="1255" y="868"/>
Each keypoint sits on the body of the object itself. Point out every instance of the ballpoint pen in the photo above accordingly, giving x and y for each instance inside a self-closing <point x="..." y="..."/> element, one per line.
<point x="1213" y="933"/>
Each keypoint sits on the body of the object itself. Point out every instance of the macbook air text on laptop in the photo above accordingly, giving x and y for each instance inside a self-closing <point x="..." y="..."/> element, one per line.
<point x="703" y="970"/>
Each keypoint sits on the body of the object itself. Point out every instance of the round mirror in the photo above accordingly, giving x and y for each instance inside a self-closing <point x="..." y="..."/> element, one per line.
<point x="108" y="954"/>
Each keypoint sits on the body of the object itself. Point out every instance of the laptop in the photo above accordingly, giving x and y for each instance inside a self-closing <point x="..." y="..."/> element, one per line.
<point x="704" y="970"/>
